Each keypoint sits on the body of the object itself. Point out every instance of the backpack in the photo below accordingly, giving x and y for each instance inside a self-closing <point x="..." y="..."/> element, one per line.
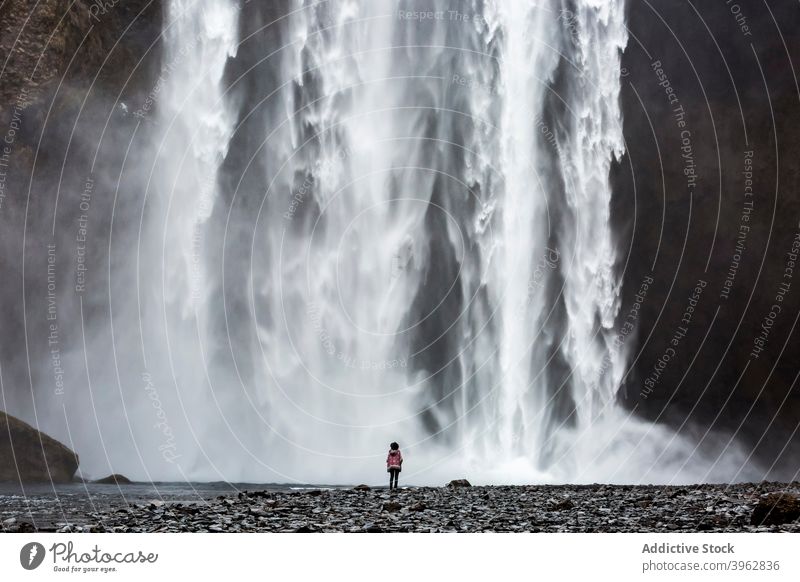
<point x="394" y="460"/>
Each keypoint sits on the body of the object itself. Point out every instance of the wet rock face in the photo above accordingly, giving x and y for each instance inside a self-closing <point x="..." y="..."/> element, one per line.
<point x="672" y="235"/>
<point x="29" y="456"/>
<point x="547" y="508"/>
<point x="66" y="71"/>
<point x="47" y="43"/>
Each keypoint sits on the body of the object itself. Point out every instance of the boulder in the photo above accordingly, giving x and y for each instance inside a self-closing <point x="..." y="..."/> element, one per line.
<point x="35" y="457"/>
<point x="775" y="509"/>
<point x="459" y="483"/>
<point x="114" y="479"/>
<point x="392" y="506"/>
<point x="562" y="505"/>
<point x="362" y="487"/>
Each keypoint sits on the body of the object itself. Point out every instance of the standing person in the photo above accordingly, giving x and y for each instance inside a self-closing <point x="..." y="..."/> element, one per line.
<point x="394" y="464"/>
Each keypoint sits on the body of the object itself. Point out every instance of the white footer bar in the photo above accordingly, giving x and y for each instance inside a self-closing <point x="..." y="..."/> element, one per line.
<point x="389" y="557"/>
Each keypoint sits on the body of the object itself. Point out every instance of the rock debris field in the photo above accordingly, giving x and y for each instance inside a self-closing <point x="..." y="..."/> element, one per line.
<point x="771" y="507"/>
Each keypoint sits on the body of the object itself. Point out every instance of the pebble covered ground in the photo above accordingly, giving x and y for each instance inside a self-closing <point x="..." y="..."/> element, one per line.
<point x="539" y="508"/>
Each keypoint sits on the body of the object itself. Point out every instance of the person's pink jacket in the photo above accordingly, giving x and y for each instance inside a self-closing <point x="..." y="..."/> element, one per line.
<point x="394" y="460"/>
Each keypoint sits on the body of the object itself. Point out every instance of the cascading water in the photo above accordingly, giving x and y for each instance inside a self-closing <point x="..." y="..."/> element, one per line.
<point x="391" y="221"/>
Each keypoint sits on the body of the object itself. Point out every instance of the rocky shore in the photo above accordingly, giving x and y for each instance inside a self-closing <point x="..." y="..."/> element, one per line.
<point x="771" y="507"/>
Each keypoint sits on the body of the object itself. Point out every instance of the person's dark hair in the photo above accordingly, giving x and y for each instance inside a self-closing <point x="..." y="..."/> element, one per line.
<point x="394" y="446"/>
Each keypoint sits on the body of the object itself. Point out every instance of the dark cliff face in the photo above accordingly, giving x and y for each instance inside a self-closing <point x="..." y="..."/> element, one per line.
<point x="707" y="206"/>
<point x="78" y="45"/>
<point x="29" y="456"/>
<point x="68" y="70"/>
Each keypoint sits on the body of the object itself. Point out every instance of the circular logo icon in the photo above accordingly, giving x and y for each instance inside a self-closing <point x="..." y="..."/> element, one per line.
<point x="31" y="555"/>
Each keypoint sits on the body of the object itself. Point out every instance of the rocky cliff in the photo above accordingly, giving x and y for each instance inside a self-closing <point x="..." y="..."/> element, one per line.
<point x="28" y="455"/>
<point x="67" y="68"/>
<point x="708" y="215"/>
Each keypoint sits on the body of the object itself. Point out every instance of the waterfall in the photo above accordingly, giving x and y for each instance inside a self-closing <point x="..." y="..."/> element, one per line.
<point x="451" y="235"/>
<point x="378" y="221"/>
<point x="194" y="124"/>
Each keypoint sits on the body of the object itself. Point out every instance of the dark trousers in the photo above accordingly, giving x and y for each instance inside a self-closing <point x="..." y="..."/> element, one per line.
<point x="393" y="475"/>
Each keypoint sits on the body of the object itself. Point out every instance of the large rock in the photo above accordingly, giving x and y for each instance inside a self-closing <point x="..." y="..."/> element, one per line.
<point x="459" y="483"/>
<point x="114" y="479"/>
<point x="35" y="456"/>
<point x="391" y="506"/>
<point x="776" y="508"/>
